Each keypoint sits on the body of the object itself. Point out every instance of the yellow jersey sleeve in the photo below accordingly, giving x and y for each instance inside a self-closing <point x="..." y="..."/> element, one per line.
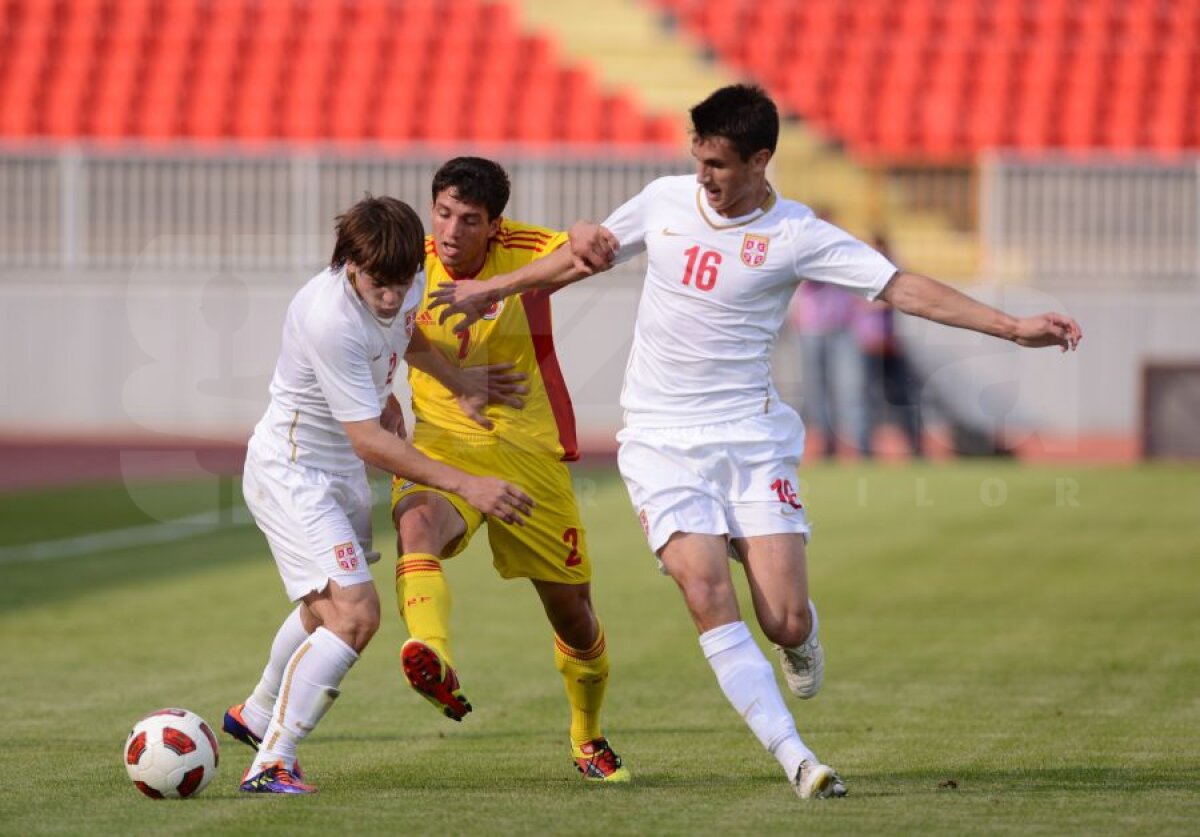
<point x="517" y="330"/>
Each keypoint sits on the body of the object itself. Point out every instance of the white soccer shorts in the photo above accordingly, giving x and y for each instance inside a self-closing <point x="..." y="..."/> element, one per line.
<point x="318" y="524"/>
<point x="735" y="478"/>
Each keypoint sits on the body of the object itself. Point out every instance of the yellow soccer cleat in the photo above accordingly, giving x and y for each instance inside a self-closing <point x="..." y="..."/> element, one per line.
<point x="598" y="763"/>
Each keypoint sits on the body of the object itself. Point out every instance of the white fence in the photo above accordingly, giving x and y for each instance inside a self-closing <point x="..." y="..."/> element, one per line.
<point x="84" y="209"/>
<point x="146" y="293"/>
<point x="1108" y="224"/>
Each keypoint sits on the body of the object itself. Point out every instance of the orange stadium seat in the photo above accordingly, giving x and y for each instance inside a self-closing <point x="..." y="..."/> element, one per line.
<point x="301" y="70"/>
<point x="968" y="74"/>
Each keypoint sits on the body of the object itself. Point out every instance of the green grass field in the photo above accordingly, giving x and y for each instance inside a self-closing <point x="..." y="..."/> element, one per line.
<point x="1030" y="635"/>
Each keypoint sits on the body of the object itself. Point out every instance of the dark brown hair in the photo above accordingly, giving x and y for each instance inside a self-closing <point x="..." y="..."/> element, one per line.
<point x="475" y="180"/>
<point x="741" y="113"/>
<point x="384" y="237"/>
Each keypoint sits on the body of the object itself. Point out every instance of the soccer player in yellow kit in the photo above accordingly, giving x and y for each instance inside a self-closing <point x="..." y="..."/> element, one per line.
<point x="529" y="442"/>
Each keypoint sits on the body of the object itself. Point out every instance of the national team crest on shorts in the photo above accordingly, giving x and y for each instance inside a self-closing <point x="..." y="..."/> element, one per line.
<point x="754" y="249"/>
<point x="346" y="555"/>
<point x="410" y="322"/>
<point x="645" y="521"/>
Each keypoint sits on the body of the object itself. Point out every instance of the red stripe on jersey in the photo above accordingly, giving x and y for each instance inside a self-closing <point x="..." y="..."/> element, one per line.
<point x="517" y="242"/>
<point x="521" y="239"/>
<point x="545" y="236"/>
<point x="522" y="244"/>
<point x="537" y="312"/>
<point x="537" y="248"/>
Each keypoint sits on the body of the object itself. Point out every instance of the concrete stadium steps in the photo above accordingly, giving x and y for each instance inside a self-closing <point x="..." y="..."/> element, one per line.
<point x="629" y="46"/>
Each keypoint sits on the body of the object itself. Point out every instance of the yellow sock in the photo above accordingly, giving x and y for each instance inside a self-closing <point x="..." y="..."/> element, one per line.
<point x="423" y="597"/>
<point x="585" y="674"/>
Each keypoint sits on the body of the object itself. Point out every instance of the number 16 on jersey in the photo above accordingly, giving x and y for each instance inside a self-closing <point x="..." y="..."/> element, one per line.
<point x="703" y="265"/>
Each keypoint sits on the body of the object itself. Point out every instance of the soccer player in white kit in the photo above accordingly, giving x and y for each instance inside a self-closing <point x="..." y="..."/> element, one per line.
<point x="331" y="411"/>
<point x="709" y="452"/>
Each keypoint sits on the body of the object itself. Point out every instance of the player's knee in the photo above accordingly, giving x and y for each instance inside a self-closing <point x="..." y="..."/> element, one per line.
<point x="790" y="629"/>
<point x="356" y="625"/>
<point x="361" y="628"/>
<point x="708" y="597"/>
<point x="577" y="629"/>
<point x="423" y="526"/>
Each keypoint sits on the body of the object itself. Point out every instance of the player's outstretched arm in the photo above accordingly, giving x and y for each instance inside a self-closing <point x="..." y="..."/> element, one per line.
<point x="591" y="250"/>
<point x="473" y="387"/>
<point x="921" y="296"/>
<point x="375" y="446"/>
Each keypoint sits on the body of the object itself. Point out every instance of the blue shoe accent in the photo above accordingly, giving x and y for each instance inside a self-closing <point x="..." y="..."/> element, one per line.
<point x="275" y="778"/>
<point x="236" y="727"/>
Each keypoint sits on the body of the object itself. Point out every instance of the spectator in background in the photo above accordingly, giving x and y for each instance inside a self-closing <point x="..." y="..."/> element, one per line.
<point x="823" y="317"/>
<point x="890" y="388"/>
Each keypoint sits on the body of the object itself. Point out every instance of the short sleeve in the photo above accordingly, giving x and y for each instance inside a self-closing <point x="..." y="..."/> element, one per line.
<point x="823" y="252"/>
<point x="558" y="239"/>
<point x="343" y="371"/>
<point x="628" y="224"/>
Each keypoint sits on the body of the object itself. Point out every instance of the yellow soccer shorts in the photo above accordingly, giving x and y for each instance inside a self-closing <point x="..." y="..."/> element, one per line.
<point x="551" y="546"/>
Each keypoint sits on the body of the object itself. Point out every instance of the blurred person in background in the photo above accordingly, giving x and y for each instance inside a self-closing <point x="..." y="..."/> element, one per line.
<point x="823" y="317"/>
<point x="890" y="387"/>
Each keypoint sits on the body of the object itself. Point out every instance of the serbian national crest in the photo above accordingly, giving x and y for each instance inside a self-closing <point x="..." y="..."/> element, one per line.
<point x="346" y="556"/>
<point x="754" y="249"/>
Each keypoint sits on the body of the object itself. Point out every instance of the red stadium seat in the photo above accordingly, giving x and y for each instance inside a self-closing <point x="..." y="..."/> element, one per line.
<point x="952" y="77"/>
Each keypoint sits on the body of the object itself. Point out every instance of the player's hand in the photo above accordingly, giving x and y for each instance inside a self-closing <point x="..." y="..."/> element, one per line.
<point x="498" y="498"/>
<point x="1048" y="330"/>
<point x="493" y="384"/>
<point x="593" y="247"/>
<point x="471" y="299"/>
<point x="392" y="420"/>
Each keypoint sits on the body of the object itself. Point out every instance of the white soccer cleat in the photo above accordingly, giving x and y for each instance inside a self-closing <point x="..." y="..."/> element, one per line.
<point x="817" y="781"/>
<point x="803" y="666"/>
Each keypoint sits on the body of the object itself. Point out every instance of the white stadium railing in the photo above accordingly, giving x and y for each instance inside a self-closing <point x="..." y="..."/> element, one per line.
<point x="144" y="292"/>
<point x="1107" y="223"/>
<point x="91" y="209"/>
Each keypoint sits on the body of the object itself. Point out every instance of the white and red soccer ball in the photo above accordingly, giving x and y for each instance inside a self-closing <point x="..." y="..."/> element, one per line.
<point x="171" y="753"/>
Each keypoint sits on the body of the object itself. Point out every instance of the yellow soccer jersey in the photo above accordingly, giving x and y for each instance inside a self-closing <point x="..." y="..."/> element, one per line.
<point x="517" y="330"/>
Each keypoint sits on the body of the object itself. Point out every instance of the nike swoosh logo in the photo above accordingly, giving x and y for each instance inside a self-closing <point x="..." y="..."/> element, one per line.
<point x="667" y="231"/>
<point x="378" y="356"/>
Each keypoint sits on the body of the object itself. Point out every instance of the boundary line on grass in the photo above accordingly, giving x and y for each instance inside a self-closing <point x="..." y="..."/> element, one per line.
<point x="169" y="531"/>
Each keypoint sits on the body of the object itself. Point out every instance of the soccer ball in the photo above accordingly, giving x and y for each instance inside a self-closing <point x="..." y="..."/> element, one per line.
<point x="171" y="753"/>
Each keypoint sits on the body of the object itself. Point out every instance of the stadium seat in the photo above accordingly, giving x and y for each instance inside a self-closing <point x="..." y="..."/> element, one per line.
<point x="151" y="68"/>
<point x="984" y="72"/>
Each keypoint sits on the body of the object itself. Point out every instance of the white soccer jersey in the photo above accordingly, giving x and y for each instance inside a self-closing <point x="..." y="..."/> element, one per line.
<point x="715" y="297"/>
<point x="336" y="364"/>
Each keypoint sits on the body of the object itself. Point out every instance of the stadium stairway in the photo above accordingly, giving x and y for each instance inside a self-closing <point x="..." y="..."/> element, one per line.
<point x="633" y="46"/>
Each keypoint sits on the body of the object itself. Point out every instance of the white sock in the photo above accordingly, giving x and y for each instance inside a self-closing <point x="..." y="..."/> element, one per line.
<point x="310" y="685"/>
<point x="748" y="680"/>
<point x="262" y="701"/>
